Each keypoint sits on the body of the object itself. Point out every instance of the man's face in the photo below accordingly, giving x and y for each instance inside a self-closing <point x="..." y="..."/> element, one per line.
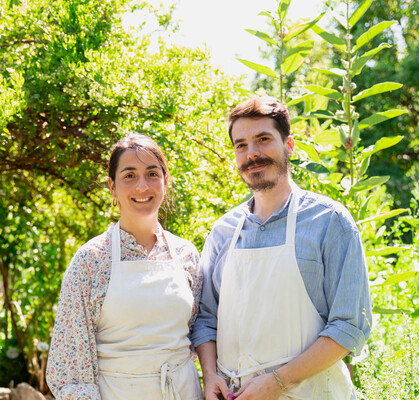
<point x="261" y="155"/>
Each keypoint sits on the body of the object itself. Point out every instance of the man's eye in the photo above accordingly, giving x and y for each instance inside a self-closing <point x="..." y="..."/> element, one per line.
<point x="129" y="176"/>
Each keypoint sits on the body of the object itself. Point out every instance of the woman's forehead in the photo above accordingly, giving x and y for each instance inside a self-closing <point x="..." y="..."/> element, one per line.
<point x="138" y="157"/>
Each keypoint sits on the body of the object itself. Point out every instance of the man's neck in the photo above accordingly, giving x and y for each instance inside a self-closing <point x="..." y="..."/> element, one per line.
<point x="269" y="201"/>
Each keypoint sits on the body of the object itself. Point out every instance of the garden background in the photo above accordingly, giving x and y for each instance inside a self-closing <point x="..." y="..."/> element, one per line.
<point x="74" y="79"/>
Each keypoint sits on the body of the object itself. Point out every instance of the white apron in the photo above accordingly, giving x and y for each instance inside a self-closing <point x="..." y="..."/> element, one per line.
<point x="142" y="344"/>
<point x="266" y="318"/>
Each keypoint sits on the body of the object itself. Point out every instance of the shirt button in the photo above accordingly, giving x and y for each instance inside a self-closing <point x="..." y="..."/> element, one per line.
<point x="262" y="228"/>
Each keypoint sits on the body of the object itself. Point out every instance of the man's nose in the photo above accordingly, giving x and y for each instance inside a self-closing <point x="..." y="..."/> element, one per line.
<point x="253" y="151"/>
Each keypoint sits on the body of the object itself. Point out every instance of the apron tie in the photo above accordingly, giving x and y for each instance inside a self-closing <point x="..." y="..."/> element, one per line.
<point x="166" y="382"/>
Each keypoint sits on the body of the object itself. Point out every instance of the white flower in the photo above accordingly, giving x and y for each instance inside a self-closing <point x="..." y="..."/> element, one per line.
<point x="12" y="353"/>
<point x="42" y="346"/>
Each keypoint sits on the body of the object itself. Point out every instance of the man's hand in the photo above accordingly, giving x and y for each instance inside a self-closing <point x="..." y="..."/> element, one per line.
<point x="215" y="387"/>
<point x="262" y="387"/>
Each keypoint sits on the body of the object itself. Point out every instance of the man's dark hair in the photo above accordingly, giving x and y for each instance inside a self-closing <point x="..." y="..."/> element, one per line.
<point x="259" y="107"/>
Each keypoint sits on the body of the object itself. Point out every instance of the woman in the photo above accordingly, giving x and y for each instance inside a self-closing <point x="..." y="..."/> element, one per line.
<point x="129" y="296"/>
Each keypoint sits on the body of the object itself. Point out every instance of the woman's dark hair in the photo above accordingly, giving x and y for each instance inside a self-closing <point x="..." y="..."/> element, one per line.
<point x="136" y="141"/>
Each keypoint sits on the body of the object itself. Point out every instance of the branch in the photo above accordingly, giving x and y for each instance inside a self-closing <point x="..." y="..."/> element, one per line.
<point x="5" y="276"/>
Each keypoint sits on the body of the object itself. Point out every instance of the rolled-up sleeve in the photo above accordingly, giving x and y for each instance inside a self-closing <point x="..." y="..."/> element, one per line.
<point x="346" y="286"/>
<point x="72" y="362"/>
<point x="205" y="326"/>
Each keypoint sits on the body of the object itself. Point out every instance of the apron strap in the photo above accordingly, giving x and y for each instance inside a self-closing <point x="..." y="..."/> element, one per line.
<point x="292" y="218"/>
<point x="116" y="244"/>
<point x="237" y="233"/>
<point x="171" y="243"/>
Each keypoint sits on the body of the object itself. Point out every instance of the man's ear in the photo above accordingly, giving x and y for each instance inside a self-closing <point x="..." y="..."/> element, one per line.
<point x="290" y="145"/>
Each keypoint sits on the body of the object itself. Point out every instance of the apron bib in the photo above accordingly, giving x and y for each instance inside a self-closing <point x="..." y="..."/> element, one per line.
<point x="142" y="344"/>
<point x="266" y="318"/>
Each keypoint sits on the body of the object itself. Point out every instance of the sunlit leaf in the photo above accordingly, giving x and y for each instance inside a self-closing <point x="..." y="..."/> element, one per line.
<point x="263" y="36"/>
<point x="397" y="278"/>
<point x="298" y="100"/>
<point x="331" y="93"/>
<point x="385" y="251"/>
<point x="306" y="47"/>
<point x="330" y="38"/>
<point x="380" y="117"/>
<point x="309" y="149"/>
<point x="376" y="89"/>
<point x="311" y="166"/>
<point x="360" y="61"/>
<point x="359" y="12"/>
<point x="259" y="68"/>
<point x="369" y="183"/>
<point x="296" y="30"/>
<point x="364" y="165"/>
<point x="331" y="71"/>
<point x="283" y="8"/>
<point x="313" y="114"/>
<point x="371" y="34"/>
<point x="381" y="144"/>
<point x="293" y="62"/>
<point x="383" y="216"/>
<point x="355" y="132"/>
<point x="378" y="310"/>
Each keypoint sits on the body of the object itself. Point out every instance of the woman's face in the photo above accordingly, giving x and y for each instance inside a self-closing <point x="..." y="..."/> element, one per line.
<point x="139" y="185"/>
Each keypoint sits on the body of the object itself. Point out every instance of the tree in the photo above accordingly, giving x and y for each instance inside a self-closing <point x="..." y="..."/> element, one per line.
<point x="73" y="81"/>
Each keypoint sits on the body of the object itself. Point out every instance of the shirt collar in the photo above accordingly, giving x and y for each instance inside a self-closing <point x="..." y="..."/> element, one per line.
<point x="128" y="241"/>
<point x="248" y="208"/>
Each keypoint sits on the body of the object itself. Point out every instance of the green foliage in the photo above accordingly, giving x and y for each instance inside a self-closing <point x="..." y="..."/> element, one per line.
<point x="343" y="146"/>
<point x="73" y="81"/>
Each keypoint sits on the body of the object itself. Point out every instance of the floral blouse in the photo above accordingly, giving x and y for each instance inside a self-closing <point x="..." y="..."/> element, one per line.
<point x="72" y="371"/>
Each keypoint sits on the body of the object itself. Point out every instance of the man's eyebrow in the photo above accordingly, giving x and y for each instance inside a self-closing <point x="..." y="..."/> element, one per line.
<point x="254" y="137"/>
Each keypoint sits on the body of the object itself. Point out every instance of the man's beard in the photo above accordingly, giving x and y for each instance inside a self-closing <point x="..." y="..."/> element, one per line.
<point x="257" y="183"/>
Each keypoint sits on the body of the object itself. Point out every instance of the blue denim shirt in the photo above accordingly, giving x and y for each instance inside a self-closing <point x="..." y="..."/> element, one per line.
<point x="330" y="257"/>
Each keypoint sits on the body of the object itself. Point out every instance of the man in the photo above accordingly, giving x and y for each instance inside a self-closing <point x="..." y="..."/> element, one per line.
<point x="285" y="293"/>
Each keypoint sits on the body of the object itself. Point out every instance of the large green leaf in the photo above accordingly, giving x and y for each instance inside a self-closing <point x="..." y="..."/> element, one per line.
<point x="259" y="68"/>
<point x="397" y="278"/>
<point x="385" y="215"/>
<point x="359" y="12"/>
<point x="371" y="34"/>
<point x="378" y="310"/>
<point x="385" y="251"/>
<point x="328" y="137"/>
<point x="381" y="144"/>
<point x="313" y="114"/>
<point x="298" y="100"/>
<point x="296" y="30"/>
<point x="309" y="149"/>
<point x="330" y="38"/>
<point x="360" y="61"/>
<point x="380" y="117"/>
<point x="311" y="166"/>
<point x="331" y="71"/>
<point x="263" y="36"/>
<point x="296" y="57"/>
<point x="304" y="47"/>
<point x="369" y="183"/>
<point x="376" y="89"/>
<point x="331" y="93"/>
<point x="283" y="8"/>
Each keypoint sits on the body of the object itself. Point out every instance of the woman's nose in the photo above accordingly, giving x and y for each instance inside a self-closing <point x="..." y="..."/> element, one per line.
<point x="142" y="183"/>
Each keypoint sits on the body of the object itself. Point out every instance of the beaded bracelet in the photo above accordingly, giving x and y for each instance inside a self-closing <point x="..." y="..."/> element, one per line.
<point x="281" y="385"/>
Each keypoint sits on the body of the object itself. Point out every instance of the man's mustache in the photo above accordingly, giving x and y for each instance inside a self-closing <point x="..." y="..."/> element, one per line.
<point x="259" y="161"/>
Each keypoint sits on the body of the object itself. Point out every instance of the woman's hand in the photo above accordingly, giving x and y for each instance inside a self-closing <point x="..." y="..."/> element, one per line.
<point x="262" y="387"/>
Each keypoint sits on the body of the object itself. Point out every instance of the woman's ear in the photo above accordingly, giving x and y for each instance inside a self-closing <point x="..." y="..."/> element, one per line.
<point x="111" y="184"/>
